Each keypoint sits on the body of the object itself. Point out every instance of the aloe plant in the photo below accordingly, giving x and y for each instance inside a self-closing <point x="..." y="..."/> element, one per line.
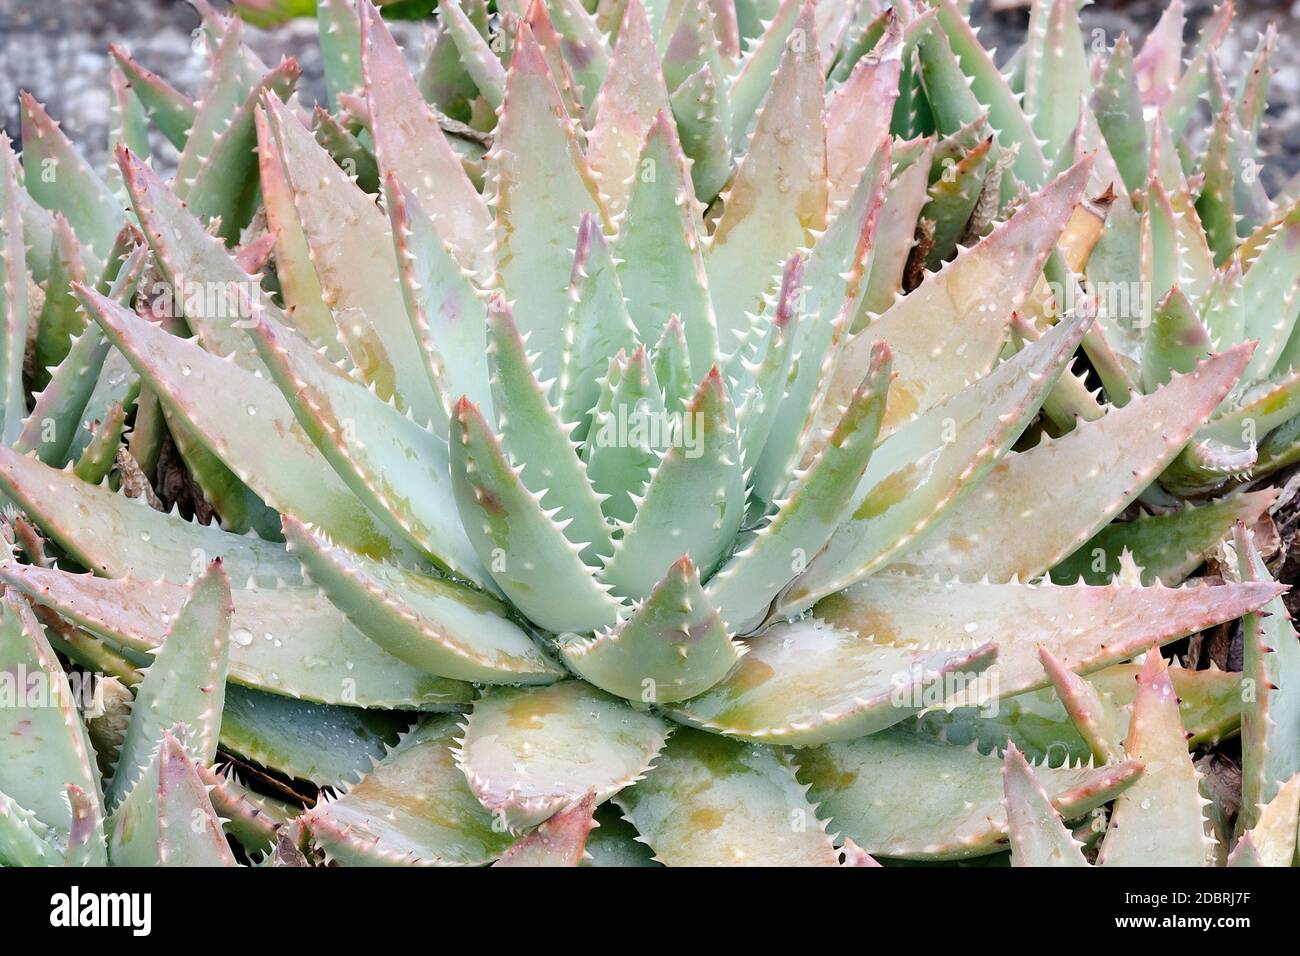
<point x="644" y="435"/>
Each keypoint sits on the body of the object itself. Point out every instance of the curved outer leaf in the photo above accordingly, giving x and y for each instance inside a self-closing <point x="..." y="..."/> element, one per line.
<point x="744" y="588"/>
<point x="528" y="752"/>
<point x="779" y="194"/>
<point x="530" y="559"/>
<point x="1036" y="832"/>
<point x="43" y="743"/>
<point x="533" y="435"/>
<point x="897" y="794"/>
<point x="559" y="841"/>
<point x="167" y="818"/>
<point x="543" y="188"/>
<point x="247" y="423"/>
<point x="118" y="536"/>
<point x="922" y="471"/>
<point x="439" y="626"/>
<point x="60" y="180"/>
<point x="413" y="808"/>
<point x="671" y="647"/>
<point x="632" y="95"/>
<point x="1270" y="701"/>
<point x="1064" y="485"/>
<point x="661" y="267"/>
<point x="950" y="330"/>
<point x="1160" y="820"/>
<point x="324" y="744"/>
<point x="185" y="683"/>
<point x="399" y="470"/>
<point x="352" y="249"/>
<point x="1087" y="627"/>
<point x="717" y="802"/>
<point x="694" y="501"/>
<point x="1167" y="547"/>
<point x="810" y="683"/>
<point x="411" y="145"/>
<point x="285" y="640"/>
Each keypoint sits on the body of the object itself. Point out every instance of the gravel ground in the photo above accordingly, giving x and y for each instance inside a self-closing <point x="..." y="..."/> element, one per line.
<point x="58" y="52"/>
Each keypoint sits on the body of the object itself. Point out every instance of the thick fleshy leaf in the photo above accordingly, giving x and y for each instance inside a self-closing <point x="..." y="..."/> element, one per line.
<point x="833" y="289"/>
<point x="396" y="468"/>
<point x="1270" y="703"/>
<point x="809" y="682"/>
<point x="475" y="54"/>
<point x="15" y="316"/>
<point x="249" y="817"/>
<point x="543" y="188"/>
<point x="628" y="433"/>
<point x="671" y="647"/>
<point x="167" y="818"/>
<point x="171" y="110"/>
<point x="779" y="194"/>
<point x="352" y="248"/>
<point x="411" y="145"/>
<point x="184" y="684"/>
<point x="700" y="108"/>
<point x="1272" y="840"/>
<point x="24" y="840"/>
<point x="710" y="801"/>
<point x="327" y="745"/>
<point x="523" y="546"/>
<point x="413" y="808"/>
<point x="445" y="306"/>
<point x="528" y="752"/>
<point x="300" y="288"/>
<point x="559" y="841"/>
<point x="208" y="287"/>
<point x="43" y="743"/>
<point x="925" y="468"/>
<point x="894" y="236"/>
<point x="60" y="180"/>
<point x="1039" y="724"/>
<point x="1095" y="716"/>
<point x="951" y="329"/>
<point x="744" y="588"/>
<point x="1167" y="547"/>
<point x="1035" y="830"/>
<point x="985" y="537"/>
<point x="439" y="626"/>
<point x="598" y="324"/>
<point x="247" y="423"/>
<point x="533" y="435"/>
<point x="1086" y="627"/>
<point x="1117" y="104"/>
<point x="583" y="46"/>
<point x="285" y="640"/>
<point x="1160" y="820"/>
<point x="662" y="267"/>
<point x="1057" y="80"/>
<point x="118" y="536"/>
<point x="897" y="794"/>
<point x="755" y="77"/>
<point x="632" y="96"/>
<point x="858" y="114"/>
<point x="694" y="501"/>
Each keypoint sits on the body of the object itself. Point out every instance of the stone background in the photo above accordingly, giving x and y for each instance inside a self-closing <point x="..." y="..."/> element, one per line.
<point x="57" y="50"/>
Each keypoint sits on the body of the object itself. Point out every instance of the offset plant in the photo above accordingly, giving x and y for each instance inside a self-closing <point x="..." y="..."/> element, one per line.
<point x="647" y="436"/>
